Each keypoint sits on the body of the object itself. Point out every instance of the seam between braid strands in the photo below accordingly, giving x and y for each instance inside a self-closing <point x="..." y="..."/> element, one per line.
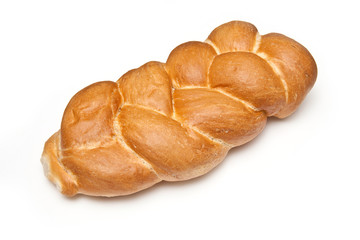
<point x="247" y="104"/>
<point x="276" y="70"/>
<point x="119" y="137"/>
<point x="184" y="125"/>
<point x="173" y="116"/>
<point x="262" y="55"/>
<point x="217" y="50"/>
<point x="59" y="157"/>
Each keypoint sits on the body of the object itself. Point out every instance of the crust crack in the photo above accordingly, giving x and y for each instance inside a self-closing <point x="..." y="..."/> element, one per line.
<point x="257" y="43"/>
<point x="246" y="103"/>
<point x="59" y="157"/>
<point x="277" y="71"/>
<point x="217" y="50"/>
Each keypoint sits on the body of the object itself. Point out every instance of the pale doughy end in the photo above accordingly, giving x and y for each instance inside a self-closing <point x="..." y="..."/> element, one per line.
<point x="53" y="169"/>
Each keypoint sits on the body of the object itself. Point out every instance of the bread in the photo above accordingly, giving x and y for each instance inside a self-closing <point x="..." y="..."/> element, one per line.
<point x="177" y="120"/>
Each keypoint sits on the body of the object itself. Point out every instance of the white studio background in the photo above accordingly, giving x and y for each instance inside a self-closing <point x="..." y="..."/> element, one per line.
<point x="299" y="179"/>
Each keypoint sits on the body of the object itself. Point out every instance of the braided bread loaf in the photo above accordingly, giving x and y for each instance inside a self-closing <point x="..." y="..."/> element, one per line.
<point x="177" y="120"/>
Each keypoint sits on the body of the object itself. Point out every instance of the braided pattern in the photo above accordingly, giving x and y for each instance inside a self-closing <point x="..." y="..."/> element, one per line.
<point x="177" y="120"/>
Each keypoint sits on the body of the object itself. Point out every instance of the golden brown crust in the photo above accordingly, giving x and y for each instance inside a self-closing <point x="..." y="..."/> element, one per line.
<point x="89" y="115"/>
<point x="148" y="85"/>
<point x="108" y="170"/>
<point x="177" y="120"/>
<point x="188" y="64"/>
<point x="234" y="36"/>
<point x="296" y="65"/>
<point x="218" y="115"/>
<point x="175" y="151"/>
<point x="248" y="77"/>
